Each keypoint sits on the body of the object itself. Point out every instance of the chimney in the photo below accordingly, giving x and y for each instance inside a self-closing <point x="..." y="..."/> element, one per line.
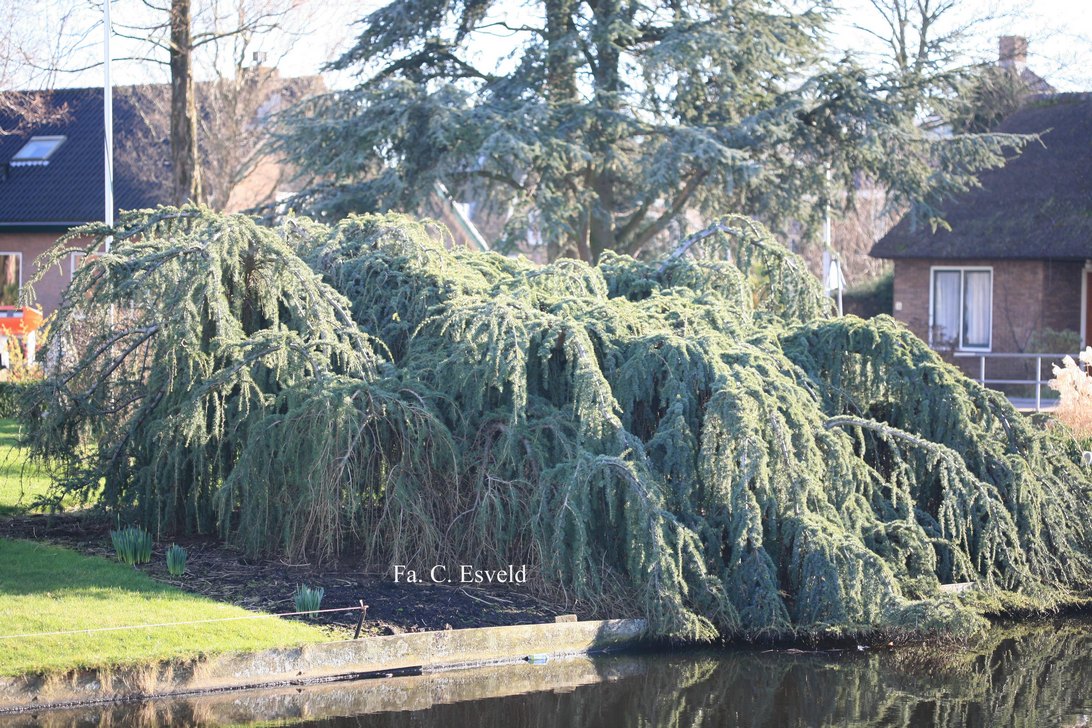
<point x="259" y="71"/>
<point x="1013" y="52"/>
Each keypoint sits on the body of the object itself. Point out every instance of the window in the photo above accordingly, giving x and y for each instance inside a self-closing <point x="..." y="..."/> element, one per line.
<point x="75" y="260"/>
<point x="11" y="278"/>
<point x="37" y="150"/>
<point x="960" y="305"/>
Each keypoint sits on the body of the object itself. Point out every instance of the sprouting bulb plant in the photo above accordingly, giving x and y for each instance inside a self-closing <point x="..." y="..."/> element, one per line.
<point x="176" y="560"/>
<point x="307" y="599"/>
<point x="132" y="544"/>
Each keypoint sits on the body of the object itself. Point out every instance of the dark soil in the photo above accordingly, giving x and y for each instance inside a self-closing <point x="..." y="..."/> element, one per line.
<point x="221" y="572"/>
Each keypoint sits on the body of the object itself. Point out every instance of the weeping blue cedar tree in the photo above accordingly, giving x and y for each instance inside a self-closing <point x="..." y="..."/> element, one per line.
<point x="695" y="436"/>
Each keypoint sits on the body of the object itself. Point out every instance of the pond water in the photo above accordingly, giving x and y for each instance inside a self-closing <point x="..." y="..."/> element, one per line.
<point x="1038" y="675"/>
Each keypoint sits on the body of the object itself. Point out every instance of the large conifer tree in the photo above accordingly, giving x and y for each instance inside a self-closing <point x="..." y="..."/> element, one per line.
<point x="693" y="438"/>
<point x="609" y="119"/>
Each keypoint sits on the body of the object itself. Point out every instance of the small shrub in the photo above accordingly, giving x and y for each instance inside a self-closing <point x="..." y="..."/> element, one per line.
<point x="176" y="560"/>
<point x="871" y="298"/>
<point x="307" y="599"/>
<point x="11" y="397"/>
<point x="1074" y="387"/>
<point x="1053" y="341"/>
<point x="133" y="545"/>
<point x="19" y="370"/>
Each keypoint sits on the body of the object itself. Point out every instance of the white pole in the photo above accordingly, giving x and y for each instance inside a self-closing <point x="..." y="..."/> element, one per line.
<point x="108" y="119"/>
<point x="828" y="244"/>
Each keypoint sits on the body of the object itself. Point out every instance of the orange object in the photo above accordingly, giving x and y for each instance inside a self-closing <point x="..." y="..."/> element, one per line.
<point x="19" y="320"/>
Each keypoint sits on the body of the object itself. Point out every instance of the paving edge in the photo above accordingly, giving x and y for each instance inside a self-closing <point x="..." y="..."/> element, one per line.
<point x="327" y="661"/>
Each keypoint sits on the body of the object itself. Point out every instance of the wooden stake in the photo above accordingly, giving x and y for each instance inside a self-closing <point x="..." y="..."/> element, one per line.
<point x="360" y="623"/>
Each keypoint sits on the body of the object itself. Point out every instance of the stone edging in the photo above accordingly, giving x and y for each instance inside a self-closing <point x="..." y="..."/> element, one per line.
<point x="370" y="656"/>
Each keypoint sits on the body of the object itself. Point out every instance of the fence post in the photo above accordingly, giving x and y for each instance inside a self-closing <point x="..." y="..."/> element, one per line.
<point x="1038" y="384"/>
<point x="982" y="369"/>
<point x="360" y="623"/>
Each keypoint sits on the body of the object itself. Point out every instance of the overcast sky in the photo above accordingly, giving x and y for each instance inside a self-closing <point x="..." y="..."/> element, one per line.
<point x="1059" y="32"/>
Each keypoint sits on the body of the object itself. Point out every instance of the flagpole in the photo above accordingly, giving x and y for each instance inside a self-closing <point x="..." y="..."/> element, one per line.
<point x="108" y="119"/>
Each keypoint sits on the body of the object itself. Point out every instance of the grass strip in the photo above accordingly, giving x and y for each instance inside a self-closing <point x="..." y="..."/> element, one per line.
<point x="46" y="588"/>
<point x="20" y="482"/>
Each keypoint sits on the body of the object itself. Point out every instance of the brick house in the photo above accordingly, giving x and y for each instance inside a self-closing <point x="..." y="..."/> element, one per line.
<point x="52" y="175"/>
<point x="51" y="179"/>
<point x="1017" y="262"/>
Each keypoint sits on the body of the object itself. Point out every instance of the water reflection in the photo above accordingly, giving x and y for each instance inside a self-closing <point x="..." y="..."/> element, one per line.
<point x="1017" y="676"/>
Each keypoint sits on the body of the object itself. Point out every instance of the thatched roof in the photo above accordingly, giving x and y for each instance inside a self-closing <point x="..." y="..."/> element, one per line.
<point x="1037" y="206"/>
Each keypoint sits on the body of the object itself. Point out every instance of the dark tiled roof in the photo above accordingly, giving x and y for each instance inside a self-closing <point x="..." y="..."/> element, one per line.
<point x="70" y="188"/>
<point x="1037" y="206"/>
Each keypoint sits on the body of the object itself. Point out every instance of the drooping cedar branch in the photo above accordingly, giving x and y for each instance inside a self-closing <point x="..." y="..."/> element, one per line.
<point x="698" y="435"/>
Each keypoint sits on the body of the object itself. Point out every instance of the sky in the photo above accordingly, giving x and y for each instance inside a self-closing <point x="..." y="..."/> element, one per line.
<point x="1059" y="33"/>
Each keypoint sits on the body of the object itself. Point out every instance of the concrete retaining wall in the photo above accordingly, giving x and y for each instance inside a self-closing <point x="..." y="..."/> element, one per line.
<point x="285" y="705"/>
<point x="430" y="651"/>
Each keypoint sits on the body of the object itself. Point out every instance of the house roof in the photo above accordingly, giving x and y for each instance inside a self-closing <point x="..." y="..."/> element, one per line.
<point x="68" y="190"/>
<point x="1039" y="205"/>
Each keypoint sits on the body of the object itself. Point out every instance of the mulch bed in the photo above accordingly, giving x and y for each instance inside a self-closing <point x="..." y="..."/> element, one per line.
<point x="223" y="573"/>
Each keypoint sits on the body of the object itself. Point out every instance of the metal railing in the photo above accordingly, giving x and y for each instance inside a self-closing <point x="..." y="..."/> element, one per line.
<point x="1038" y="380"/>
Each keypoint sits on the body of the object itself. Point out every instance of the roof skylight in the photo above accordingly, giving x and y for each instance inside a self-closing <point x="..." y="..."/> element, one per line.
<point x="37" y="150"/>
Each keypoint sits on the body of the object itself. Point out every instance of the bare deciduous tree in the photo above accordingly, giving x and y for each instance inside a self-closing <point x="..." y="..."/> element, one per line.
<point x="926" y="43"/>
<point x="216" y="35"/>
<point x="184" y="152"/>
<point x="30" y="54"/>
<point x="929" y="37"/>
<point x="237" y="169"/>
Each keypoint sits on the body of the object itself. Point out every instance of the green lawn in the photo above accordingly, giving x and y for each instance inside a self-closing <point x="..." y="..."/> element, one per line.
<point x="45" y="588"/>
<point x="19" y="485"/>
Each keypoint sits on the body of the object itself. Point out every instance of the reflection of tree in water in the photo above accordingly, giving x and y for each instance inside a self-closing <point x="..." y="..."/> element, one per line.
<point x="1016" y="676"/>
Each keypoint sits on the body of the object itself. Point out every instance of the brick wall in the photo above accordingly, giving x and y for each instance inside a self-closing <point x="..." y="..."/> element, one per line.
<point x="31" y="245"/>
<point x="1062" y="294"/>
<point x="912" y="295"/>
<point x="1028" y="296"/>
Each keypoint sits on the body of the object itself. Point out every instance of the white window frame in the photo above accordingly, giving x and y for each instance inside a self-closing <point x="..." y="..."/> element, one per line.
<point x="18" y="254"/>
<point x="58" y="140"/>
<point x="1086" y="334"/>
<point x="961" y="269"/>
<point x="74" y="260"/>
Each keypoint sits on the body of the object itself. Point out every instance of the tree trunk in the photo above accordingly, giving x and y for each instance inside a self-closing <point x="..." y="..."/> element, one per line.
<point x="560" y="49"/>
<point x="607" y="85"/>
<point x="561" y="91"/>
<point x="184" y="155"/>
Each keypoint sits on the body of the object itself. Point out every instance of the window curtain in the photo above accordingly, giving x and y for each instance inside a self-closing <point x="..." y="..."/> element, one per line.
<point x="9" y="279"/>
<point x="946" y="284"/>
<point x="976" y="309"/>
